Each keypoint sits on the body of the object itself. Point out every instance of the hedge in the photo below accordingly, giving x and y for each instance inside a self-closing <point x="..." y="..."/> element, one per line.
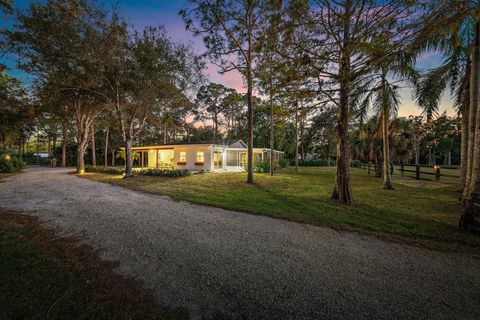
<point x="143" y="172"/>
<point x="175" y="173"/>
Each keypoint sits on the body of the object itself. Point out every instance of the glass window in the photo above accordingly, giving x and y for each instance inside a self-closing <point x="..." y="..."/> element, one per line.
<point x="183" y="156"/>
<point x="200" y="157"/>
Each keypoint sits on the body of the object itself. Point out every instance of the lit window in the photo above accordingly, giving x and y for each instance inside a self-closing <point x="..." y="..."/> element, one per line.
<point x="200" y="156"/>
<point x="183" y="156"/>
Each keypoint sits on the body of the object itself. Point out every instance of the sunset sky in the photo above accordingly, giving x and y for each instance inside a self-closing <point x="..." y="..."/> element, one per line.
<point x="142" y="13"/>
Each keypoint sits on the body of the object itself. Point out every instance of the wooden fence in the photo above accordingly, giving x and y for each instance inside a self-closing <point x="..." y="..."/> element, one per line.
<point x="437" y="172"/>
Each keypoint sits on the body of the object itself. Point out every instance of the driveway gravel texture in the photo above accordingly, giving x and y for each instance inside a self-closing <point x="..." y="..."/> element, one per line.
<point x="235" y="265"/>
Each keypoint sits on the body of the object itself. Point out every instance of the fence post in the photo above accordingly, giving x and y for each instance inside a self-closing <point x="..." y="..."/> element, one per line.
<point x="402" y="169"/>
<point x="437" y="173"/>
<point x="417" y="172"/>
<point x="368" y="166"/>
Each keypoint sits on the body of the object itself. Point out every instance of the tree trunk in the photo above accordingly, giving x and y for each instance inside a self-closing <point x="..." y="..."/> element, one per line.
<point x="272" y="138"/>
<point x="165" y="133"/>
<point x="64" y="145"/>
<point x="81" y="147"/>
<point x="140" y="137"/>
<point x="54" y="144"/>
<point x="417" y="153"/>
<point x="128" y="158"/>
<point x="215" y="121"/>
<point x="343" y="188"/>
<point x="387" y="179"/>
<point x="464" y="134"/>
<point x="474" y="95"/>
<point x="296" y="135"/>
<point x="80" y="159"/>
<point x="107" y="132"/>
<point x="113" y="157"/>
<point x="94" y="153"/>
<point x="471" y="194"/>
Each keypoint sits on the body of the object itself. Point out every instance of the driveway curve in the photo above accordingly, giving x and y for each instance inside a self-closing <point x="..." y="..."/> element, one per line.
<point x="217" y="262"/>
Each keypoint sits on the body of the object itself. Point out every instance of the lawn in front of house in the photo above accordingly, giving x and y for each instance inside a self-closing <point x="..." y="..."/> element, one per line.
<point x="420" y="213"/>
<point x="44" y="276"/>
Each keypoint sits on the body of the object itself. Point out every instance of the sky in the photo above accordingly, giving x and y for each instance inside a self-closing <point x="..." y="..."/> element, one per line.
<point x="142" y="13"/>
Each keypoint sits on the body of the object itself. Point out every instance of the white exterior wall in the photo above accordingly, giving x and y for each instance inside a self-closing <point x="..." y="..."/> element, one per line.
<point x="191" y="153"/>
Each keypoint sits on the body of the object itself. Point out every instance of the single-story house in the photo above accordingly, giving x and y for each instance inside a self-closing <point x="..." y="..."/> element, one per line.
<point x="196" y="156"/>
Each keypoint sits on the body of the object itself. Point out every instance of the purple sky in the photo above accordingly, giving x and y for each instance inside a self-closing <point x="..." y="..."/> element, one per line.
<point x="141" y="13"/>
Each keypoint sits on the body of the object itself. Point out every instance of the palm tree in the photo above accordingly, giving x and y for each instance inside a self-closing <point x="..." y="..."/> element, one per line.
<point x="384" y="97"/>
<point x="454" y="28"/>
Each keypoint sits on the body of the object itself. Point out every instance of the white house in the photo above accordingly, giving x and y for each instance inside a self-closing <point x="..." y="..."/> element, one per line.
<point x="208" y="156"/>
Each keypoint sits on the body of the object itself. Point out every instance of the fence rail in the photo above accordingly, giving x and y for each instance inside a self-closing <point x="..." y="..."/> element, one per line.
<point x="436" y="170"/>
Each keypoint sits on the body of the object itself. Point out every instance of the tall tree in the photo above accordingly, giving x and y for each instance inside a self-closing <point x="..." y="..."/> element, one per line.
<point x="230" y="29"/>
<point x="210" y="104"/>
<point x="341" y="42"/>
<point x="63" y="44"/>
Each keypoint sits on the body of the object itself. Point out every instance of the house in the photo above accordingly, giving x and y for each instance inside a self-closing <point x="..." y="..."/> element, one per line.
<point x="196" y="156"/>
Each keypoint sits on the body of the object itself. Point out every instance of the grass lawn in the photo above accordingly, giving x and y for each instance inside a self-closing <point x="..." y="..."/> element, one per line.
<point x="418" y="212"/>
<point x="48" y="277"/>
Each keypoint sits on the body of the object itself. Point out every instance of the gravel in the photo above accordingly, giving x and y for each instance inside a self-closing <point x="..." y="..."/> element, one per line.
<point x="217" y="262"/>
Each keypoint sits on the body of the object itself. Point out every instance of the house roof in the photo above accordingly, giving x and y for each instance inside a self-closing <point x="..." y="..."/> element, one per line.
<point x="227" y="143"/>
<point x="234" y="144"/>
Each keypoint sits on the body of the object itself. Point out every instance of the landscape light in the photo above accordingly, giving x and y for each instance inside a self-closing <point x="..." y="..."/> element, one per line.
<point x="7" y="157"/>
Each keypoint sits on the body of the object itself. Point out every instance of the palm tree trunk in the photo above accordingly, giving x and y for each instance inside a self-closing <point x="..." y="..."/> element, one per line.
<point x="387" y="179"/>
<point x="464" y="135"/>
<point x="473" y="107"/>
<point x="471" y="193"/>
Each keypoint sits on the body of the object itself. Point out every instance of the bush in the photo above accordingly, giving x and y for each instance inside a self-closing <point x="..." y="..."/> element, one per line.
<point x="11" y="165"/>
<point x="175" y="173"/>
<point x="107" y="170"/>
<point x="263" y="166"/>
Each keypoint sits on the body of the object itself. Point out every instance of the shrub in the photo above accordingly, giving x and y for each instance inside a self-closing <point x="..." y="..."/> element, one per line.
<point x="175" y="173"/>
<point x="107" y="170"/>
<point x="10" y="165"/>
<point x="263" y="166"/>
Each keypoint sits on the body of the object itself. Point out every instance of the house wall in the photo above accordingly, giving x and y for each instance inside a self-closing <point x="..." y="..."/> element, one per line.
<point x="191" y="153"/>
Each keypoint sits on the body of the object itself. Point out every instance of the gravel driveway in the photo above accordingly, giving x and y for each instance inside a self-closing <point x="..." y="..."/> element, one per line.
<point x="244" y="266"/>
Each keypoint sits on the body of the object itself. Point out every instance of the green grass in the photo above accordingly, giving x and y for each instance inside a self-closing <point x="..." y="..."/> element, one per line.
<point x="418" y="212"/>
<point x="48" y="277"/>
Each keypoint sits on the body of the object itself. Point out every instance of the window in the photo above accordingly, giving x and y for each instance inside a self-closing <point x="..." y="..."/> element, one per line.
<point x="183" y="156"/>
<point x="200" y="157"/>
